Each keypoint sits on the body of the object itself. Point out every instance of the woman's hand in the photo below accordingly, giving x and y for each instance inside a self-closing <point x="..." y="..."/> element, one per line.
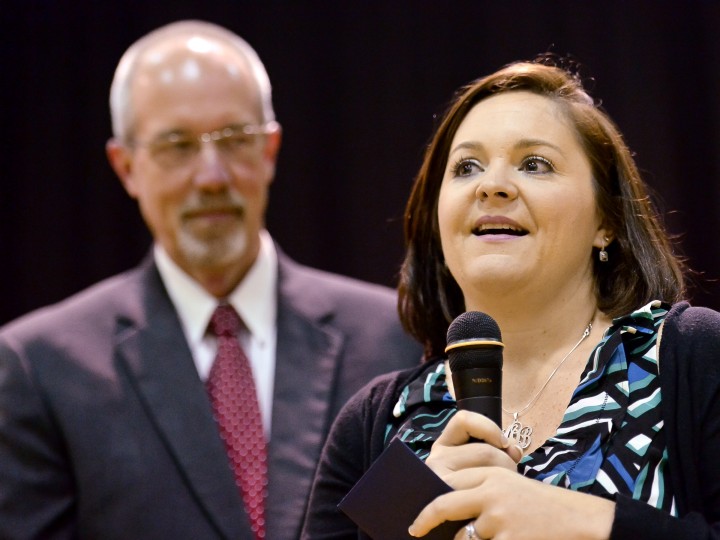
<point x="470" y="440"/>
<point x="504" y="504"/>
<point x="507" y="506"/>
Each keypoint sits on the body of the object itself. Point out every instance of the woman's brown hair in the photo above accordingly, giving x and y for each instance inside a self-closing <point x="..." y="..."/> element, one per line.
<point x="641" y="266"/>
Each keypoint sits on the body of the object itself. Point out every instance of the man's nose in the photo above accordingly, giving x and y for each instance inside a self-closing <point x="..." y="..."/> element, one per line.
<point x="212" y="171"/>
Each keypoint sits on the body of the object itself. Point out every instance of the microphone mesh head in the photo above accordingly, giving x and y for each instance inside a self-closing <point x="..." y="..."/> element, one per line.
<point x="473" y="325"/>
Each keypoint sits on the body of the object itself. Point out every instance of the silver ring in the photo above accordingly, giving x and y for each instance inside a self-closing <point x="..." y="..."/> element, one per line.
<point x="471" y="532"/>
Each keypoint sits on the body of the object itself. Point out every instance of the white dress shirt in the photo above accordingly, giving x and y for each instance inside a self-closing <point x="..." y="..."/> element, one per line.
<point x="255" y="300"/>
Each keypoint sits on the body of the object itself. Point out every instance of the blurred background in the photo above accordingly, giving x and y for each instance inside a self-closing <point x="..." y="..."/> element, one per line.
<point x="356" y="87"/>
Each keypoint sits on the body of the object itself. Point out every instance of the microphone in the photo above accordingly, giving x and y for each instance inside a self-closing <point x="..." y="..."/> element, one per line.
<point x="474" y="349"/>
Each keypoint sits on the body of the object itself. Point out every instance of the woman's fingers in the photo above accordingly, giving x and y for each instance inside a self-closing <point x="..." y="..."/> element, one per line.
<point x="466" y="479"/>
<point x="453" y="506"/>
<point x="466" y="425"/>
<point x="471" y="440"/>
<point x="505" y="504"/>
<point x="449" y="462"/>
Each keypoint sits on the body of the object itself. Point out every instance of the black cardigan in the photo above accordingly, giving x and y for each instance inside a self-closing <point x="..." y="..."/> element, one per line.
<point x="689" y="362"/>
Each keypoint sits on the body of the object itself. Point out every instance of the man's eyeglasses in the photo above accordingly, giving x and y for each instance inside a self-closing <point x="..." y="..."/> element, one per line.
<point x="235" y="143"/>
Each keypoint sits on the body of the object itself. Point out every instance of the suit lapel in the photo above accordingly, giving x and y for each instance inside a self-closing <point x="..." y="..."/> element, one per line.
<point x="158" y="361"/>
<point x="305" y="372"/>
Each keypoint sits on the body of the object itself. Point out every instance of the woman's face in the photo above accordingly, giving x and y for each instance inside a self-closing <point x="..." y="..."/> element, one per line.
<point x="516" y="209"/>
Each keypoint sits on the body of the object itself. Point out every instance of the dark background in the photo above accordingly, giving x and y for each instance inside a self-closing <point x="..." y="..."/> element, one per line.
<point x="356" y="85"/>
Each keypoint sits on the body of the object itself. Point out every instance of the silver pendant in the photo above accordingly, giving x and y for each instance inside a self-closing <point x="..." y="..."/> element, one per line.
<point x="522" y="435"/>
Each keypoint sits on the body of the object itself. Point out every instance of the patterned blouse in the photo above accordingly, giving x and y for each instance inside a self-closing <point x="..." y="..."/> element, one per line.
<point x="611" y="438"/>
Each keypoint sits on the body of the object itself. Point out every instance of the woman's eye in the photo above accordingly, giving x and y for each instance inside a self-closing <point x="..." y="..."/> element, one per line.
<point x="537" y="165"/>
<point x="466" y="167"/>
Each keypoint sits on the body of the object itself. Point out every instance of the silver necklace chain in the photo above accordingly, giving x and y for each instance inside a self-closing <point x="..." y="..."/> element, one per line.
<point x="522" y="434"/>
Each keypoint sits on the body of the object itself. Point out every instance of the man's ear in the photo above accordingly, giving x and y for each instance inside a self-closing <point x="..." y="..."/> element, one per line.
<point x="271" y="149"/>
<point x="121" y="160"/>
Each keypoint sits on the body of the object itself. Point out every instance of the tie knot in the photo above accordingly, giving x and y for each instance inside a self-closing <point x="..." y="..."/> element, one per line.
<point x="225" y="321"/>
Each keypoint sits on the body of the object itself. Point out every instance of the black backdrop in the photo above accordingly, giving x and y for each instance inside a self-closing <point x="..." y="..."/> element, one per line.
<point x="356" y="84"/>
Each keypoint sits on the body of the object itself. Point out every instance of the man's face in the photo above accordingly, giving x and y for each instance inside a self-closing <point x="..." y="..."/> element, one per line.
<point x="204" y="201"/>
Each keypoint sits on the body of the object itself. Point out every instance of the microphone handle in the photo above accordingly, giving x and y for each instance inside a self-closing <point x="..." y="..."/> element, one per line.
<point x="490" y="406"/>
<point x="479" y="389"/>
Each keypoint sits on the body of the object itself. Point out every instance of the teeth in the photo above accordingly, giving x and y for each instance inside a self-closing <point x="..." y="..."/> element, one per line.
<point x="488" y="227"/>
<point x="498" y="228"/>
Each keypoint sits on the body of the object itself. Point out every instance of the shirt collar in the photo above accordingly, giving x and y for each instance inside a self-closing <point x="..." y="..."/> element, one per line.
<point x="254" y="298"/>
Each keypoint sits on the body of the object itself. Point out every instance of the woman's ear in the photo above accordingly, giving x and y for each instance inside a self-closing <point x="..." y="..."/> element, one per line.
<point x="603" y="238"/>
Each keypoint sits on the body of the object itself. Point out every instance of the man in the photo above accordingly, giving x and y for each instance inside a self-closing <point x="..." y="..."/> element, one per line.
<point x="107" y="429"/>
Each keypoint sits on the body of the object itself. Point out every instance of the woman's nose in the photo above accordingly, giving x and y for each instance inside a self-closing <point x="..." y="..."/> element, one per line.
<point x="496" y="185"/>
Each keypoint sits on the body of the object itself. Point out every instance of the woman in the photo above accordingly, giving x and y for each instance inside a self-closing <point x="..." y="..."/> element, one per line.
<point x="529" y="207"/>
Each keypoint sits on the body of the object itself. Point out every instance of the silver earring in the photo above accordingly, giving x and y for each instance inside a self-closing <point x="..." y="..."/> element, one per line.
<point x="603" y="255"/>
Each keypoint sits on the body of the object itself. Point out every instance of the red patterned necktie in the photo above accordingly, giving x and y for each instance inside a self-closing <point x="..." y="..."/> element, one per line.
<point x="235" y="406"/>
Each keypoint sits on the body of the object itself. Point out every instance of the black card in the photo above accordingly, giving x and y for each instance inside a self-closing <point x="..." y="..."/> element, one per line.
<point x="393" y="491"/>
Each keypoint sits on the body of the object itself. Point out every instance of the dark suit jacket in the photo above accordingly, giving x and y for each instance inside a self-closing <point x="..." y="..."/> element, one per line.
<point x="106" y="431"/>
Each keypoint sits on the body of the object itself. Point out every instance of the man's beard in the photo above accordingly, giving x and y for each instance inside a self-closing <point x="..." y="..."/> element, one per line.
<point x="214" y="251"/>
<point x="215" y="247"/>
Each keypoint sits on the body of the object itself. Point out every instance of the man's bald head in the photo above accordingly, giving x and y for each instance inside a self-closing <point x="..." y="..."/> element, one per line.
<point x="160" y="53"/>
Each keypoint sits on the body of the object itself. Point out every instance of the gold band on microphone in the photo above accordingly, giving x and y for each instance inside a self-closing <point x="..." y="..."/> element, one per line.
<point x="473" y="342"/>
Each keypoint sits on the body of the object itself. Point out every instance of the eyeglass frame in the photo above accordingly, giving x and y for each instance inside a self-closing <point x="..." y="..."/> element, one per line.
<point x="216" y="136"/>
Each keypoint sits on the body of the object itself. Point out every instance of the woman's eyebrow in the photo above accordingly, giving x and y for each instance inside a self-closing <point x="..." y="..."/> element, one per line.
<point x="529" y="143"/>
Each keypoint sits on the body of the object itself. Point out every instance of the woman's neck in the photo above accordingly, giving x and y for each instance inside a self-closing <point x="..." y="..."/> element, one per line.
<point x="534" y="332"/>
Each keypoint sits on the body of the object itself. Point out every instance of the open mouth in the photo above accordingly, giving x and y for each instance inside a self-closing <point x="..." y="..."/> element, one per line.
<point x="494" y="228"/>
<point x="214" y="212"/>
